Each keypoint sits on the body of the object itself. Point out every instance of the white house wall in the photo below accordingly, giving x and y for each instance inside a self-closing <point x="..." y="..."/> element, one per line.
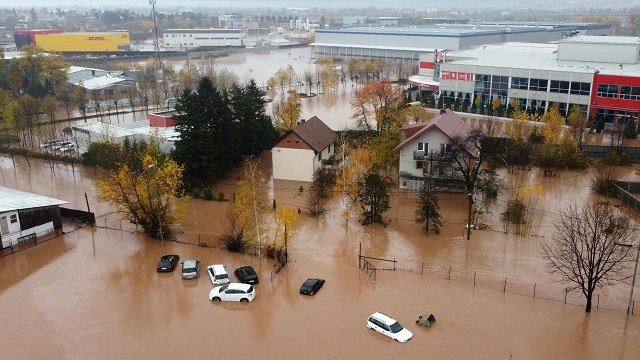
<point x="434" y="138"/>
<point x="293" y="164"/>
<point x="40" y="230"/>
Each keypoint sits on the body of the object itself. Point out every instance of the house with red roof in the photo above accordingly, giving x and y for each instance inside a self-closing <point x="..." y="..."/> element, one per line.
<point x="426" y="151"/>
<point x="303" y="150"/>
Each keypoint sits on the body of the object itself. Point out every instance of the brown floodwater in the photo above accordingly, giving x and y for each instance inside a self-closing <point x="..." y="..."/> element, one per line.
<point x="93" y="292"/>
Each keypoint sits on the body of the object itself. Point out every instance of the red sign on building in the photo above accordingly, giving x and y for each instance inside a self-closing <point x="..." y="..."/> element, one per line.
<point x="454" y="75"/>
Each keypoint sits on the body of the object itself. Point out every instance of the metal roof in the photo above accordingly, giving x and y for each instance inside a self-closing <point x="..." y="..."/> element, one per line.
<point x="13" y="199"/>
<point x="530" y="56"/>
<point x="374" y="47"/>
<point x="201" y="31"/>
<point x="130" y="129"/>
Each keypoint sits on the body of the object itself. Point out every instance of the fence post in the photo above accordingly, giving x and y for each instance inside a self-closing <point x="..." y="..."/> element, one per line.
<point x="534" y="290"/>
<point x="633" y="305"/>
<point x="394" y="263"/>
<point x="598" y="302"/>
<point x="422" y="271"/>
<point x="199" y="239"/>
<point x="566" y="292"/>
<point x="474" y="278"/>
<point x="504" y="289"/>
<point x="449" y="277"/>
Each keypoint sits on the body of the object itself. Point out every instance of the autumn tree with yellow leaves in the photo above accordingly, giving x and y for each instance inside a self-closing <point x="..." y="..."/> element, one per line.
<point x="146" y="191"/>
<point x="348" y="177"/>
<point x="286" y="113"/>
<point x="553" y="129"/>
<point x="521" y="207"/>
<point x="252" y="204"/>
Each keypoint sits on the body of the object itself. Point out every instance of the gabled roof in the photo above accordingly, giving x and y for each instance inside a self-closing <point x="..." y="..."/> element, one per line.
<point x="448" y="122"/>
<point x="13" y="199"/>
<point x="316" y="134"/>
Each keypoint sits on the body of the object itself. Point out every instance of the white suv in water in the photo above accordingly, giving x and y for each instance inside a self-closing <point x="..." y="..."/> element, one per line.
<point x="218" y="274"/>
<point x="389" y="327"/>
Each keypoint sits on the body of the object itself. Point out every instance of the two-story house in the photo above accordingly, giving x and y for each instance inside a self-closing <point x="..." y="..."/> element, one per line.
<point x="426" y="152"/>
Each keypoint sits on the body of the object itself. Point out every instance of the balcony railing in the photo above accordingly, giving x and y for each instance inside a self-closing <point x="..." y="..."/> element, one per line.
<point x="431" y="155"/>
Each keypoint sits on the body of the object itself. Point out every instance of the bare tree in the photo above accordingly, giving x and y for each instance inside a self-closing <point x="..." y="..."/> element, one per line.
<point x="309" y="78"/>
<point x="467" y="161"/>
<point x="587" y="248"/>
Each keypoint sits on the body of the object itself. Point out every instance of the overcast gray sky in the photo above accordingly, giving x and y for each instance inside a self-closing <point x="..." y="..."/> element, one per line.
<point x="521" y="4"/>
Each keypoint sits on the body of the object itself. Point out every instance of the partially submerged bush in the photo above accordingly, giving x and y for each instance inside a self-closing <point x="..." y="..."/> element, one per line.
<point x="233" y="241"/>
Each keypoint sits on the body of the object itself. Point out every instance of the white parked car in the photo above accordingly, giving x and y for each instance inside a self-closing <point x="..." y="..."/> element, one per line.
<point x="50" y="143"/>
<point x="233" y="292"/>
<point x="389" y="327"/>
<point x="67" y="147"/>
<point x="218" y="274"/>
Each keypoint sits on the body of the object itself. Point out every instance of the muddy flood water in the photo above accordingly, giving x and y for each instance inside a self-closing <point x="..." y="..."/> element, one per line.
<point x="93" y="293"/>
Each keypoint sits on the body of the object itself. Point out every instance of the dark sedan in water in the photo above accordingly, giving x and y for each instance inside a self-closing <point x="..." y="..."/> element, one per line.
<point x="168" y="263"/>
<point x="311" y="286"/>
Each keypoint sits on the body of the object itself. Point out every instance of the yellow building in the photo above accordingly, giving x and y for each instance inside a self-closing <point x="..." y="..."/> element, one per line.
<point x="84" y="42"/>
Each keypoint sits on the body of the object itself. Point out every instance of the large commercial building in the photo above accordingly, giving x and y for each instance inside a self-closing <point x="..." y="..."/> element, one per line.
<point x="56" y="41"/>
<point x="182" y="39"/>
<point x="411" y="42"/>
<point x="599" y="73"/>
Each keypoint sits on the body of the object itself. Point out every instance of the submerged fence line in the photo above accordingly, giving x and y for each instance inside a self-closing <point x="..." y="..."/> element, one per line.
<point x="520" y="287"/>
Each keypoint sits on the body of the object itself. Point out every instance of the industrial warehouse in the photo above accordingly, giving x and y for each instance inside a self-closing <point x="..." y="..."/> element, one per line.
<point x="55" y="40"/>
<point x="183" y="39"/>
<point x="409" y="43"/>
<point x="599" y="73"/>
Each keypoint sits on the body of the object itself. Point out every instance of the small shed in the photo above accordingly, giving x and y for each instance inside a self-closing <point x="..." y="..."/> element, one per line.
<point x="24" y="215"/>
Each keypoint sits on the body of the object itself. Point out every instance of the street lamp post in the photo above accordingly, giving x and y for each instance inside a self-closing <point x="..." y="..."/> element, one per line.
<point x="156" y="45"/>
<point x="153" y="166"/>
<point x="633" y="283"/>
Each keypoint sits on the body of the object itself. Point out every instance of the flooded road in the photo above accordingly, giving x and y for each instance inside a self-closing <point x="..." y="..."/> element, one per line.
<point x="95" y="291"/>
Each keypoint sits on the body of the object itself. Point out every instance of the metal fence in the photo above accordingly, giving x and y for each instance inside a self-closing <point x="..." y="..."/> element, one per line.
<point x="625" y="191"/>
<point x="600" y="151"/>
<point x="515" y="286"/>
<point x="28" y="241"/>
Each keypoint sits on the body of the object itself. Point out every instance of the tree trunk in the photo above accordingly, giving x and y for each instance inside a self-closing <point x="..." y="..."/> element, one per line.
<point x="589" y="297"/>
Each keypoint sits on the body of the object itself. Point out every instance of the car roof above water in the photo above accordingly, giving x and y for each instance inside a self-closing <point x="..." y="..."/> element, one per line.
<point x="383" y="317"/>
<point x="190" y="263"/>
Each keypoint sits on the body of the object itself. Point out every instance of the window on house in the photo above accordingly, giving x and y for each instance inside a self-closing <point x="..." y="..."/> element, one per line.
<point x="329" y="149"/>
<point x="422" y="146"/>
<point x="419" y="164"/>
<point x="320" y="155"/>
<point x="13" y="218"/>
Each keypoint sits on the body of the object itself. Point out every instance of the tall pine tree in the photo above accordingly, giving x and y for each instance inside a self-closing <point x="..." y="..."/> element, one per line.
<point x="427" y="212"/>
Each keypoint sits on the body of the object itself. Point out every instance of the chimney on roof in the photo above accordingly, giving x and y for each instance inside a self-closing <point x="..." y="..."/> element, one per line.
<point x="302" y="121"/>
<point x="443" y="111"/>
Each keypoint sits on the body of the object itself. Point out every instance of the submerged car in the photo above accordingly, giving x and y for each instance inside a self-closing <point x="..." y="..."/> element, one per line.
<point x="389" y="327"/>
<point x="168" y="263"/>
<point x="311" y="286"/>
<point x="247" y="275"/>
<point x="191" y="269"/>
<point x="218" y="274"/>
<point x="233" y="292"/>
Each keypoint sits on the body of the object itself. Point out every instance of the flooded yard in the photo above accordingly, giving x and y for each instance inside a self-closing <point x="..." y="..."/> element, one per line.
<point x="95" y="291"/>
